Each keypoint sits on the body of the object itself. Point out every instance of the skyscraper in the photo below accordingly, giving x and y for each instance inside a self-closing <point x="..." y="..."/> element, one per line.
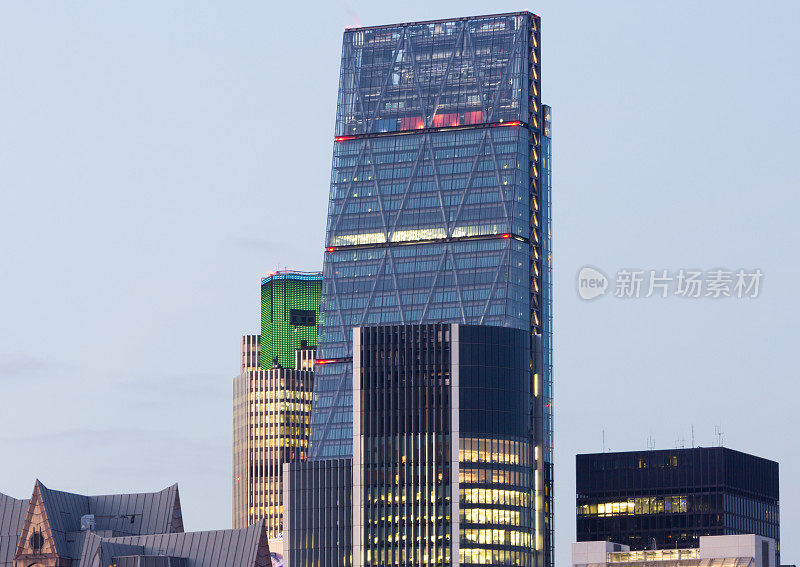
<point x="271" y="411"/>
<point x="439" y="207"/>
<point x="443" y="459"/>
<point x="290" y="303"/>
<point x="272" y="404"/>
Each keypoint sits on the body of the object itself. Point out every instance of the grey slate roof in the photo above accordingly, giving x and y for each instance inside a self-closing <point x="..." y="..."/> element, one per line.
<point x="151" y="513"/>
<point x="129" y="525"/>
<point x="221" y="548"/>
<point x="64" y="511"/>
<point x="12" y="517"/>
<point x="153" y="510"/>
<point x="90" y="543"/>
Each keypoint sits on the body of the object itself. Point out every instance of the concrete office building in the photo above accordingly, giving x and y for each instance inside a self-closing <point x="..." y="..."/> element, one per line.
<point x="747" y="550"/>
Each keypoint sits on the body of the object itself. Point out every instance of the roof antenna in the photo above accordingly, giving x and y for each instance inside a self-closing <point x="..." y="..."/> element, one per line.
<point x="604" y="440"/>
<point x="693" y="436"/>
<point x="651" y="443"/>
<point x="718" y="432"/>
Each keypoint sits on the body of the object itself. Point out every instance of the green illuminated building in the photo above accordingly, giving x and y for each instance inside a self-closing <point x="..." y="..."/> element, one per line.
<point x="290" y="303"/>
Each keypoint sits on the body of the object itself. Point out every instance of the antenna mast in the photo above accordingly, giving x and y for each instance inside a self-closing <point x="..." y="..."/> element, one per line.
<point x="720" y="435"/>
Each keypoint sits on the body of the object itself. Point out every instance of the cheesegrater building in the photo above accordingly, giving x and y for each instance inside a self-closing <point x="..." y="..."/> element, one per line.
<point x="439" y="212"/>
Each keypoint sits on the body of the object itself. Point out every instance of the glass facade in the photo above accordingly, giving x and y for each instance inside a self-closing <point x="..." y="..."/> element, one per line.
<point x="403" y="463"/>
<point x="318" y="513"/>
<point x="439" y="208"/>
<point x="290" y="313"/>
<point x="443" y="456"/>
<point x="432" y="222"/>
<point x="676" y="496"/>
<point x="496" y="455"/>
<point x="444" y="73"/>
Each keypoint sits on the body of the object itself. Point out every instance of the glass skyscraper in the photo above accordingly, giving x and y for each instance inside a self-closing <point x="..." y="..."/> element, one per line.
<point x="439" y="208"/>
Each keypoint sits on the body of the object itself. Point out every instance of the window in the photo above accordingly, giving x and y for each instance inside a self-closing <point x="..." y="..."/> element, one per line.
<point x="303" y="317"/>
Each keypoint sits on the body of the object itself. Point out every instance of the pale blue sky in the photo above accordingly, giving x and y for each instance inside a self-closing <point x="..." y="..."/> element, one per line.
<point x="157" y="158"/>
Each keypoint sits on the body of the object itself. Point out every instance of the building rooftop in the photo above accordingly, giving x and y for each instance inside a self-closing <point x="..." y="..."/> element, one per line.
<point x="291" y="275"/>
<point x="441" y="21"/>
<point x="747" y="550"/>
<point x="82" y="530"/>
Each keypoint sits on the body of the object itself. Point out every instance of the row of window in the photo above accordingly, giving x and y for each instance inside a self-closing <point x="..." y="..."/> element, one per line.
<point x="503" y="142"/>
<point x="477" y="556"/>
<point x="496" y="496"/>
<point x="422" y="556"/>
<point x="448" y="160"/>
<point x="646" y="505"/>
<point x="513" y="538"/>
<point x="486" y="476"/>
<point x="406" y="494"/>
<point x="491" y="516"/>
<point x="750" y="507"/>
<point x="412" y="206"/>
<point x="501" y="451"/>
<point x="260" y="444"/>
<point x="276" y="395"/>
<point x="361" y="186"/>
<point x="279" y="407"/>
<point x="434" y="249"/>
<point x="428" y="233"/>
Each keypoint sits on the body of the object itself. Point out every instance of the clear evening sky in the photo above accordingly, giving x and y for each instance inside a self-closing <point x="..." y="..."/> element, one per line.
<point x="158" y="158"/>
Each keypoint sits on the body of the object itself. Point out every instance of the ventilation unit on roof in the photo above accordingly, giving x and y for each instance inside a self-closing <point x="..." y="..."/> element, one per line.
<point x="87" y="523"/>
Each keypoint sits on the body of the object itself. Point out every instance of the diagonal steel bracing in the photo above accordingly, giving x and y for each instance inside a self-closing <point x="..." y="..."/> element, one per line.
<point x="386" y="80"/>
<point x="374" y="287"/>
<point x="414" y="70"/>
<point x="499" y="181"/>
<point x="433" y="286"/>
<point x="468" y="185"/>
<point x="446" y="75"/>
<point x="502" y="266"/>
<point x="503" y="75"/>
<point x="458" y="285"/>
<point x="396" y="287"/>
<point x="384" y="224"/>
<point x="411" y="179"/>
<point x="469" y="47"/>
<point x="349" y="190"/>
